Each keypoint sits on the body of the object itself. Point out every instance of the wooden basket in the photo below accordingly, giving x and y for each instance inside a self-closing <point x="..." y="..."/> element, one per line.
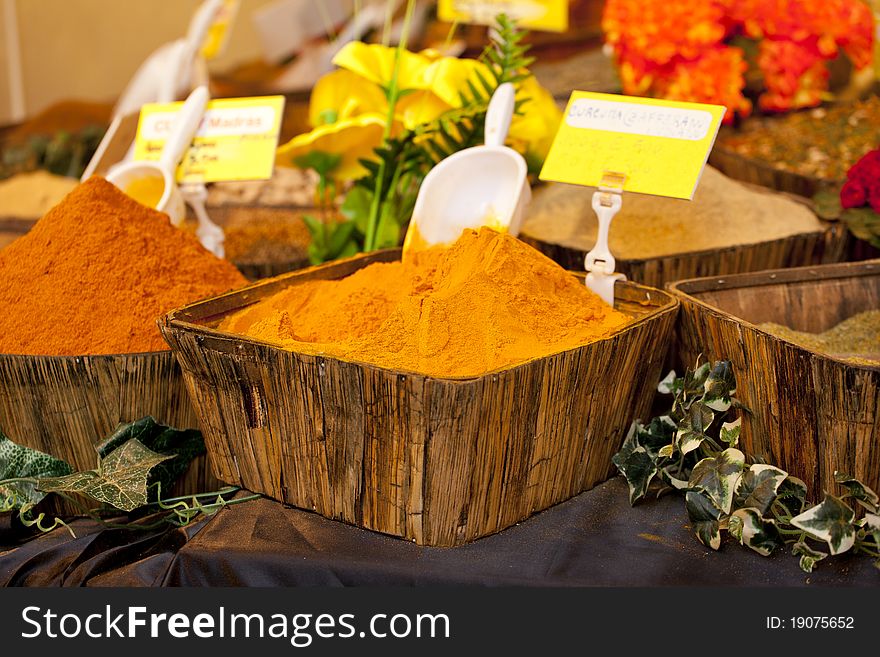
<point x="437" y="461"/>
<point x="811" y="414"/>
<point x="760" y="172"/>
<point x="65" y="405"/>
<point x="818" y="247"/>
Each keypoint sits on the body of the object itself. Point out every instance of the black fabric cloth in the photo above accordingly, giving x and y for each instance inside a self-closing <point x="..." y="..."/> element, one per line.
<point x="594" y="539"/>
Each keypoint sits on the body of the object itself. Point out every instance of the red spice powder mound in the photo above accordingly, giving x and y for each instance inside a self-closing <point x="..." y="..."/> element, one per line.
<point x="96" y="272"/>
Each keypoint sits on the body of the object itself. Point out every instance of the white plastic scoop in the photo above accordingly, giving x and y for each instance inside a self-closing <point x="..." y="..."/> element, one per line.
<point x="479" y="186"/>
<point x="143" y="180"/>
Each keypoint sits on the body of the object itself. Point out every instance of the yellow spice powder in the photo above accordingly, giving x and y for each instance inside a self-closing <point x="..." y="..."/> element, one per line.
<point x="488" y="302"/>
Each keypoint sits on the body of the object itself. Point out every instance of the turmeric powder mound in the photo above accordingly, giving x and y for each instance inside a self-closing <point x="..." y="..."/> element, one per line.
<point x="96" y="272"/>
<point x="485" y="303"/>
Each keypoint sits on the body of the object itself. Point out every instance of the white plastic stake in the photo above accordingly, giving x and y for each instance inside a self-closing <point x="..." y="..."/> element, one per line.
<point x="599" y="262"/>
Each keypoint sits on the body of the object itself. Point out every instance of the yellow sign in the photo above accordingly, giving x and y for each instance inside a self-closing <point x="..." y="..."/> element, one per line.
<point x="659" y="146"/>
<point x="547" y="15"/>
<point x="218" y="34"/>
<point x="235" y="141"/>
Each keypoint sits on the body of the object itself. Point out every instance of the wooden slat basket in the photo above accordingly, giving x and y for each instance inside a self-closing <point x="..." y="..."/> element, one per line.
<point x="816" y="247"/>
<point x="437" y="461"/>
<point x="811" y="413"/>
<point x="759" y="172"/>
<point x="65" y="405"/>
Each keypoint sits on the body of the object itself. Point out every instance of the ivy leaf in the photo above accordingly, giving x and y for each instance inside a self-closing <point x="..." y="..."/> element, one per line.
<point x="809" y="556"/>
<point x="719" y="387"/>
<point x="120" y="480"/>
<point x="658" y="435"/>
<point x="692" y="429"/>
<point x="670" y="478"/>
<point x="858" y="491"/>
<point x="718" y="476"/>
<point x="17" y="461"/>
<point x="730" y="432"/>
<point x="183" y="444"/>
<point x="705" y="517"/>
<point x="757" y="487"/>
<point x="831" y="521"/>
<point x="635" y="464"/>
<point x="670" y="385"/>
<point x="792" y="493"/>
<point x="754" y="531"/>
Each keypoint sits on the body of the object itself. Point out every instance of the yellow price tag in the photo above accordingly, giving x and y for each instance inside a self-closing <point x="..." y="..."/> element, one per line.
<point x="659" y="146"/>
<point x="218" y="34"/>
<point x="235" y="141"/>
<point x="546" y="15"/>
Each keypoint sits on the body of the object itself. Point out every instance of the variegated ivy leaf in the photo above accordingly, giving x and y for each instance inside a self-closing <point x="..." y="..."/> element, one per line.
<point x="754" y="531"/>
<point x="809" y="556"/>
<point x="858" y="491"/>
<point x="718" y="476"/>
<point x="667" y="451"/>
<point x="120" y="480"/>
<point x="872" y="522"/>
<point x="692" y="429"/>
<point x="730" y="432"/>
<point x="792" y="493"/>
<point x="657" y="435"/>
<point x="17" y="461"/>
<point x="678" y="484"/>
<point x="635" y="464"/>
<point x="720" y="386"/>
<point x="669" y="385"/>
<point x="705" y="517"/>
<point x="831" y="521"/>
<point x="757" y="487"/>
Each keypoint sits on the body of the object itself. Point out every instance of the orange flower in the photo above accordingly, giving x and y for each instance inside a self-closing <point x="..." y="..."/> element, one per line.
<point x="677" y="49"/>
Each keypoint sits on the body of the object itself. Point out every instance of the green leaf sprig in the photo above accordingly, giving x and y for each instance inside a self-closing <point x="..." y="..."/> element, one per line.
<point x="693" y="449"/>
<point x="135" y="463"/>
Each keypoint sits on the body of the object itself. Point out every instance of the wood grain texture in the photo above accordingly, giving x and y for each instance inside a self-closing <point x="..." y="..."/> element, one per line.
<point x="811" y="414"/>
<point x="65" y="405"/>
<point x="819" y="247"/>
<point x="437" y="461"/>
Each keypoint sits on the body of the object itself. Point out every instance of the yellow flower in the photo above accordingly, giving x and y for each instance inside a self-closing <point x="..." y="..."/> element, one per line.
<point x="375" y="62"/>
<point x="342" y="94"/>
<point x="532" y="132"/>
<point x="418" y="108"/>
<point x="337" y="146"/>
<point x="447" y="77"/>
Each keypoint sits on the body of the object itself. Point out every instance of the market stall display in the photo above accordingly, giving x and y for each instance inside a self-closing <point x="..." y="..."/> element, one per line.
<point x="728" y="228"/>
<point x="79" y="347"/>
<point x="441" y="460"/>
<point x="811" y="412"/>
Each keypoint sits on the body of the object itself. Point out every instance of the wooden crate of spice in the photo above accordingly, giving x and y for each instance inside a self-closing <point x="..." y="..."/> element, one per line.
<point x="810" y="411"/>
<point x="65" y="405"/>
<point x="728" y="228"/>
<point x="437" y="461"/>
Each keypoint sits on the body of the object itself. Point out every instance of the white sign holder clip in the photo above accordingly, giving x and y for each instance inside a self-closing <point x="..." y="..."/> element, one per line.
<point x="600" y="263"/>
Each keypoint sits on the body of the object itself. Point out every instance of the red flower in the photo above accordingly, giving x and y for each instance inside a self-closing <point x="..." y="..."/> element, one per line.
<point x="867" y="170"/>
<point x="853" y="195"/>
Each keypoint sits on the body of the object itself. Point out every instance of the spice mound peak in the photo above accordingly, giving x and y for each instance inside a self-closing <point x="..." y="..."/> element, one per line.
<point x="96" y="272"/>
<point x="487" y="302"/>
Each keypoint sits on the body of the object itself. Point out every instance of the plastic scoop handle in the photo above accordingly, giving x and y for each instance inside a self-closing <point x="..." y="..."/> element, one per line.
<point x="185" y="126"/>
<point x="499" y="114"/>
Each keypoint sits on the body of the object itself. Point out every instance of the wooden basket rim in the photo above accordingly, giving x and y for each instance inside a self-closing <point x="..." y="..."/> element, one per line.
<point x="86" y="357"/>
<point x="725" y="151"/>
<point x="686" y="290"/>
<point x="172" y="321"/>
<point x="704" y="253"/>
